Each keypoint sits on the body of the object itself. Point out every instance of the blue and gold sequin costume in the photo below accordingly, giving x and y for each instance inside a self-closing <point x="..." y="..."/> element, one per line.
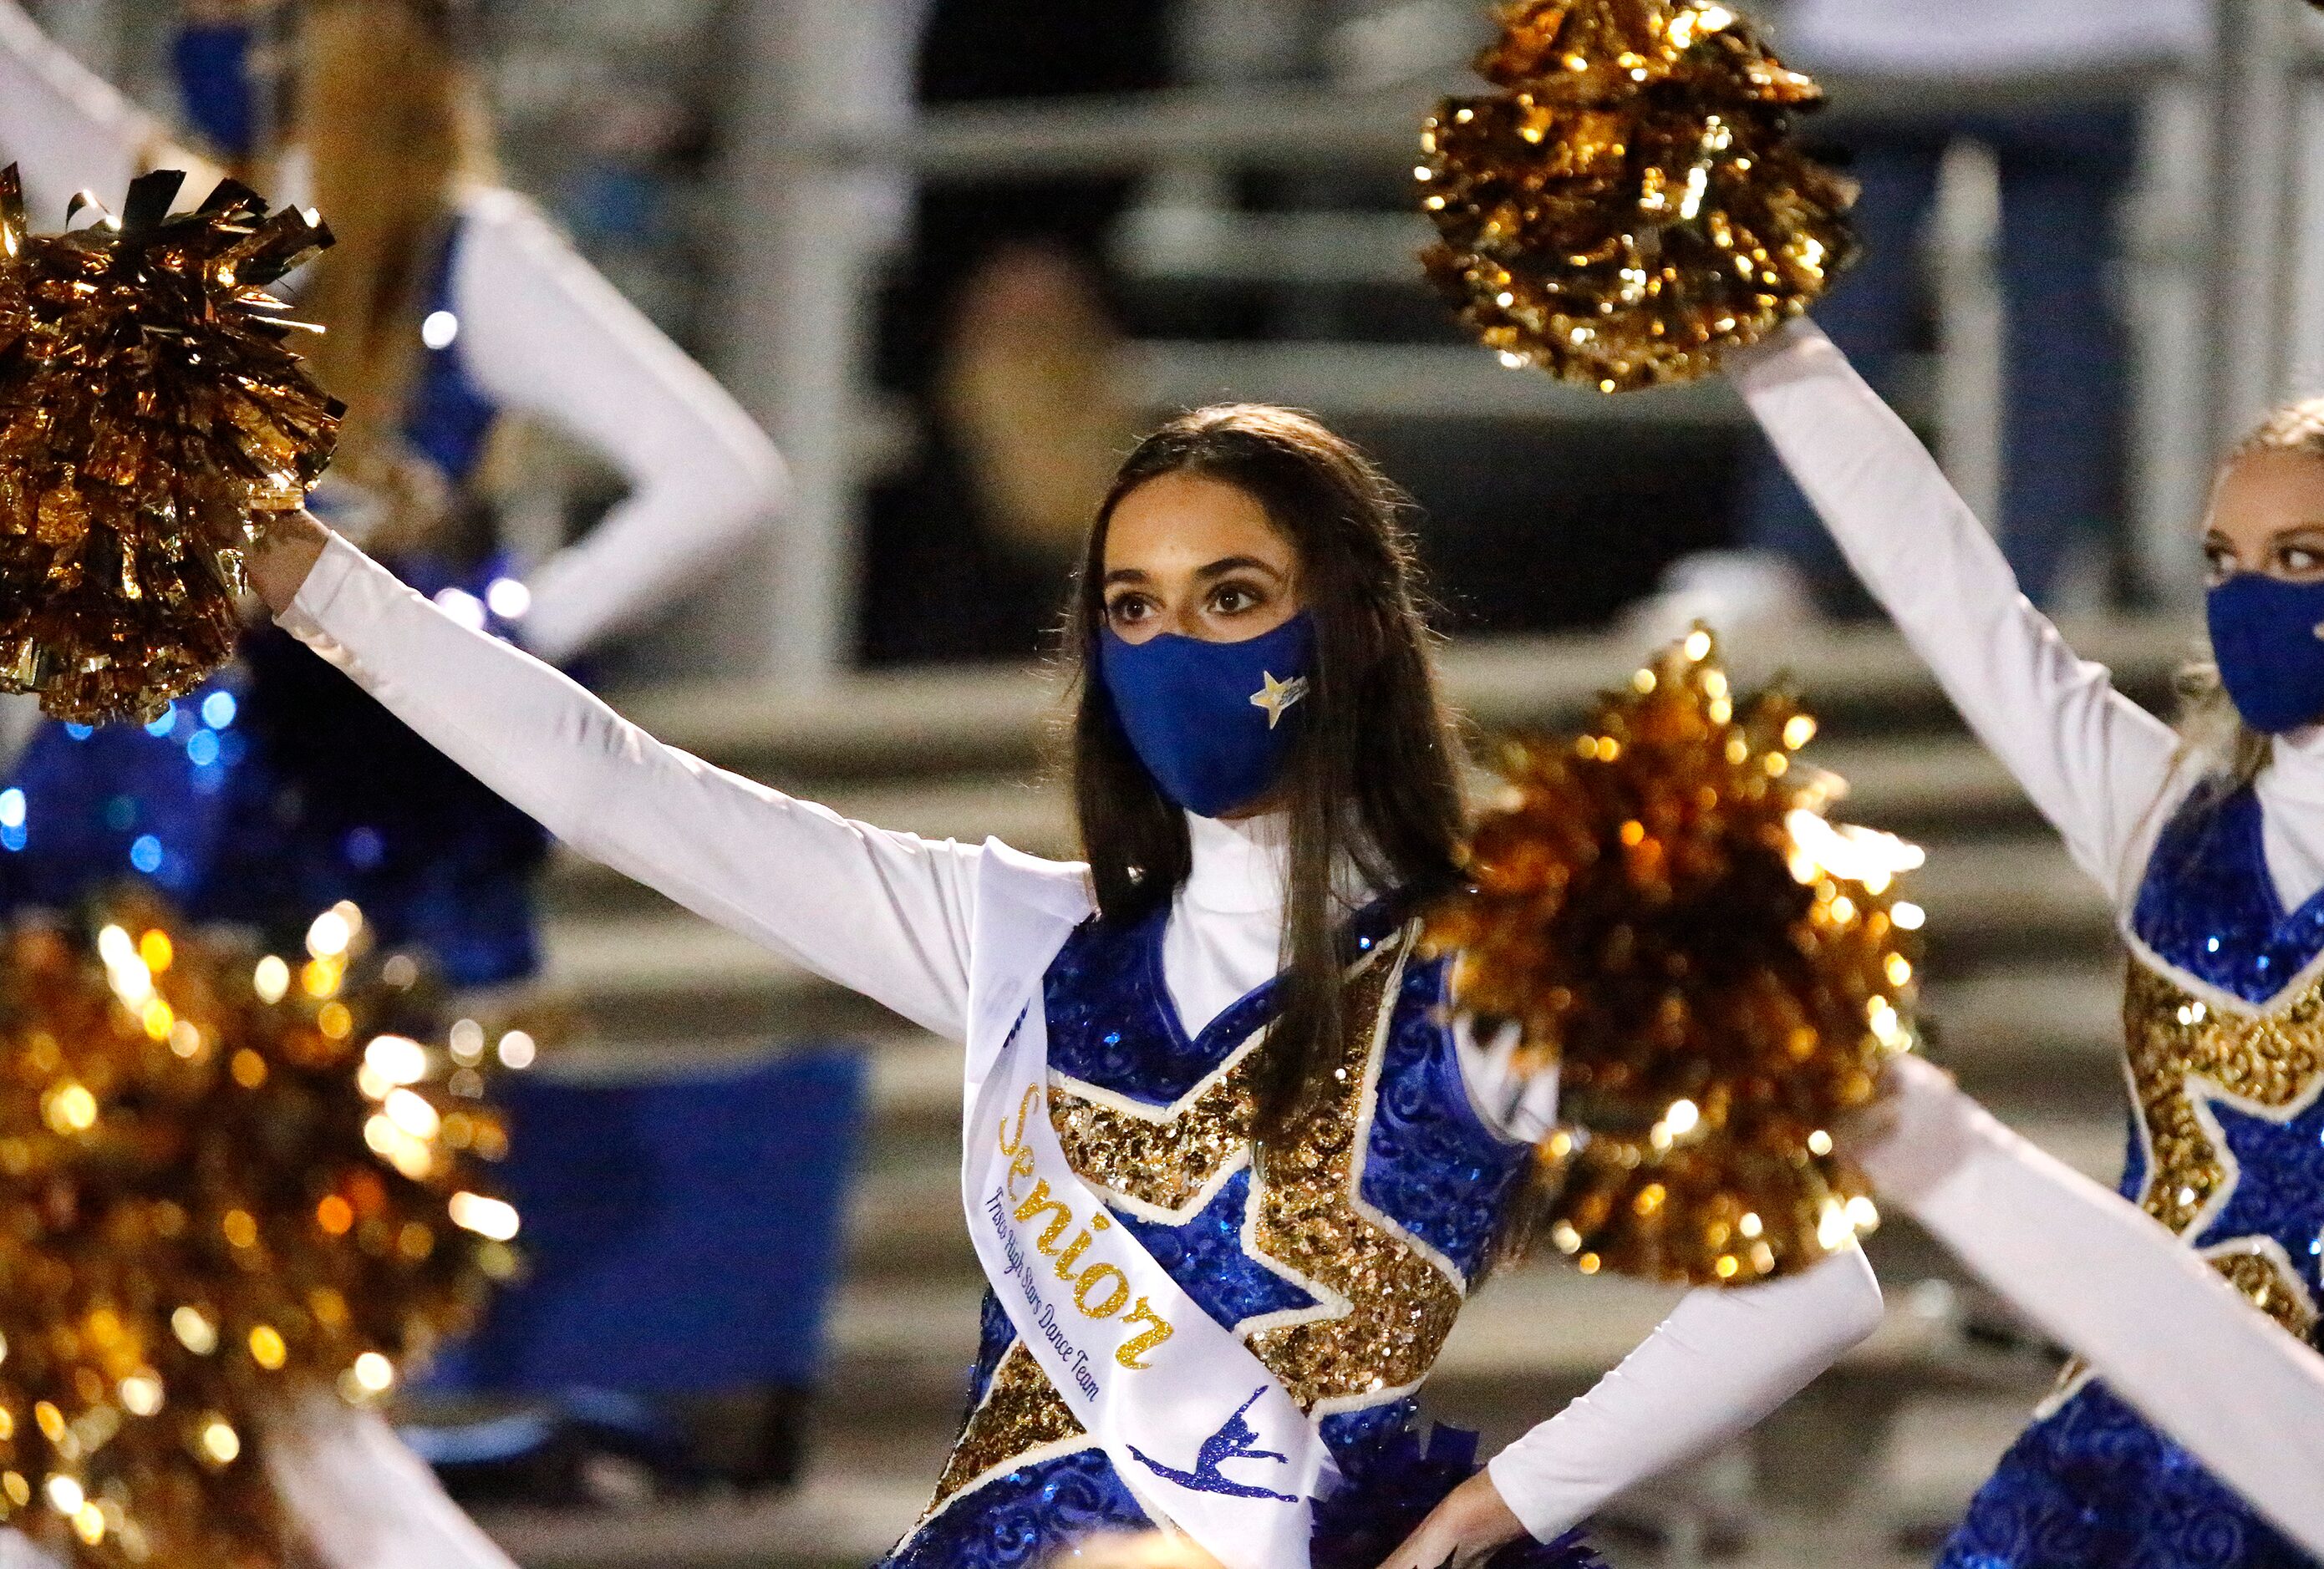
<point x="2224" y="1018"/>
<point x="1343" y="1260"/>
<point x="282" y="788"/>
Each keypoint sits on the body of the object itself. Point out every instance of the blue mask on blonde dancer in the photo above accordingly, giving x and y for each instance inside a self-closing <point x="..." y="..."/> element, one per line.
<point x="2268" y="636"/>
<point x="1213" y="722"/>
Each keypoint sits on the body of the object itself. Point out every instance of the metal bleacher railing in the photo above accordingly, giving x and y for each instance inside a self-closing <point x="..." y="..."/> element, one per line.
<point x="2224" y="260"/>
<point x="2225" y="315"/>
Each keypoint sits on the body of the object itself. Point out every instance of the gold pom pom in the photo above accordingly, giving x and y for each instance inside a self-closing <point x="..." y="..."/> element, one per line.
<point x="151" y="416"/>
<point x="228" y="1181"/>
<point x="1715" y="970"/>
<point x="1630" y="208"/>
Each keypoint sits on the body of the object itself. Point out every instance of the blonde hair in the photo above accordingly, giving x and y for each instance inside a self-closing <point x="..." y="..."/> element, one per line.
<point x="2297" y="427"/>
<point x="2229" y="752"/>
<point x="396" y="131"/>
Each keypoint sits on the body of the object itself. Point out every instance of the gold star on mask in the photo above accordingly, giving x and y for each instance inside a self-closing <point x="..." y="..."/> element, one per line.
<point x="1277" y="696"/>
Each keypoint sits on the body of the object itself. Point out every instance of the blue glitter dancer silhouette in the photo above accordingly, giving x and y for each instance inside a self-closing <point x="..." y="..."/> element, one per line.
<point x="1237" y="1440"/>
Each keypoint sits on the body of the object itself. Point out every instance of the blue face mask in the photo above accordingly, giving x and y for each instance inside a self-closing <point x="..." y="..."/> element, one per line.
<point x="1212" y="722"/>
<point x="2268" y="636"/>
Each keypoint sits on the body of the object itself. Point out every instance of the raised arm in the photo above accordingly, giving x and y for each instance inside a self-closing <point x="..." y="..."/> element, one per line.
<point x="2094" y="762"/>
<point x="2151" y="1315"/>
<point x="66" y="127"/>
<point x="885" y="914"/>
<point x="543" y="331"/>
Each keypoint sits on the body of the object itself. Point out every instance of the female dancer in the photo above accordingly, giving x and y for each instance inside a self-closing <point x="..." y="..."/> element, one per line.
<point x="2211" y="847"/>
<point x="1230" y="1173"/>
<point x="283" y="789"/>
<point x="1268" y="1171"/>
<point x="449" y="301"/>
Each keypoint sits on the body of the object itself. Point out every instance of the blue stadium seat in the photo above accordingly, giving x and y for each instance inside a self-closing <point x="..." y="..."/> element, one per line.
<point x="683" y="1238"/>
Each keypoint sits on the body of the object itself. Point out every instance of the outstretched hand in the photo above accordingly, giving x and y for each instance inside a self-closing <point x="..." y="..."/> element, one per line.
<point x="1467" y="1528"/>
<point x="286" y="552"/>
<point x="1916" y="1134"/>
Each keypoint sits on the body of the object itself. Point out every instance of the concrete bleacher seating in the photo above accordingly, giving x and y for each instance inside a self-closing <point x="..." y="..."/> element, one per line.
<point x="2022" y="984"/>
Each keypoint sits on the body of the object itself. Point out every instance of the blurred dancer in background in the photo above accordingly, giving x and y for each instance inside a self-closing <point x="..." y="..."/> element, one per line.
<point x="281" y="789"/>
<point x="449" y="305"/>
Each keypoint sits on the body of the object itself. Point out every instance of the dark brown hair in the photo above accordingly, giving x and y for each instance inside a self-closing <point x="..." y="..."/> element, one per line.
<point x="1373" y="782"/>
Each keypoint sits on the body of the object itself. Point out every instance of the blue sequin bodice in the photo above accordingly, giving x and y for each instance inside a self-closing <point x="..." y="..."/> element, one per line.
<point x="269" y="795"/>
<point x="1433" y="1168"/>
<point x="2226" y="1046"/>
<point x="1341" y="1262"/>
<point x="2092" y="1486"/>
<point x="2208" y="905"/>
<point x="2224" y="1148"/>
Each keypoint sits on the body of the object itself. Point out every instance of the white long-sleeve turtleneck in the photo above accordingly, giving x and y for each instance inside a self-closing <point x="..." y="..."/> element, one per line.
<point x="2290" y="790"/>
<point x="1224" y="939"/>
<point x="2095" y="763"/>
<point x="2103" y="770"/>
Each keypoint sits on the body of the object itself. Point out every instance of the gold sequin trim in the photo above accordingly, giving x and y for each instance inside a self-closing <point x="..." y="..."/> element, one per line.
<point x="1399" y="1305"/>
<point x="2175" y="1039"/>
<point x="1163" y="1163"/>
<point x="1310" y="1220"/>
<point x="1022" y="1412"/>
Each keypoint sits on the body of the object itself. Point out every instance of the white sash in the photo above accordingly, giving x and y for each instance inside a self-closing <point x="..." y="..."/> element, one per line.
<point x="1194" y="1423"/>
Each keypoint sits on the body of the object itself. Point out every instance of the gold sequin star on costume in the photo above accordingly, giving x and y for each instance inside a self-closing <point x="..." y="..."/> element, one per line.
<point x="2186" y="1050"/>
<point x="1387" y="1301"/>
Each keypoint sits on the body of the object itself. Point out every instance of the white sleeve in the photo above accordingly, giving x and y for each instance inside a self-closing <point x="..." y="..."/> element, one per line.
<point x="1519" y="1104"/>
<point x="17" y="1552"/>
<point x="886" y="914"/>
<point x="1717" y="1365"/>
<point x="2094" y="1272"/>
<point x="65" y="127"/>
<point x="2095" y="763"/>
<point x="361" y="1499"/>
<point x="543" y="332"/>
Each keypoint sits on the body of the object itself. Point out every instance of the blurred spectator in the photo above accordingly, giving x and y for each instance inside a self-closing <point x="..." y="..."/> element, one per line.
<point x="617" y="194"/>
<point x="1030" y="393"/>
<point x="2063" y="168"/>
<point x="1003" y="333"/>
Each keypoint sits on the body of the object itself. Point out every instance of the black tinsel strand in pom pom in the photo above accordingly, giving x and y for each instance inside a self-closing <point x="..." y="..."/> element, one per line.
<point x="153" y="416"/>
